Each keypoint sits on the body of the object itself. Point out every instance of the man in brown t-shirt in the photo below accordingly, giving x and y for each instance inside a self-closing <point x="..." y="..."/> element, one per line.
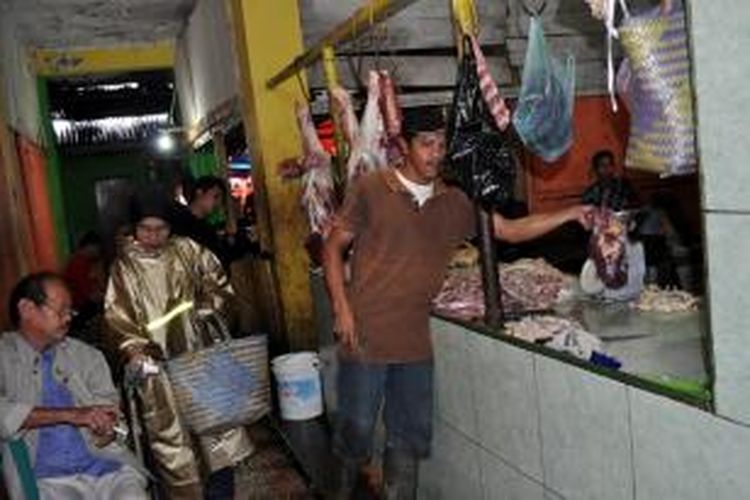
<point x="403" y="225"/>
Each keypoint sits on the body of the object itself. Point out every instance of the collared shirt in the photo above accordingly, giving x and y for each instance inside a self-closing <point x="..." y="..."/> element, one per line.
<point x="401" y="252"/>
<point x="420" y="192"/>
<point x="61" y="449"/>
<point x="88" y="380"/>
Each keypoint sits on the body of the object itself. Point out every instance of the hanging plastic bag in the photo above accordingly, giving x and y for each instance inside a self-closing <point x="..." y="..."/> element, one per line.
<point x="479" y="159"/>
<point x="654" y="82"/>
<point x="544" y="114"/>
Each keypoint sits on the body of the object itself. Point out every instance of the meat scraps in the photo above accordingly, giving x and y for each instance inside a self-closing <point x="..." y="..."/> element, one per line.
<point x="527" y="285"/>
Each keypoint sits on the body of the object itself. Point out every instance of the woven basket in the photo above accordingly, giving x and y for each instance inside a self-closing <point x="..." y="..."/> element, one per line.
<point x="222" y="386"/>
<point x="659" y="93"/>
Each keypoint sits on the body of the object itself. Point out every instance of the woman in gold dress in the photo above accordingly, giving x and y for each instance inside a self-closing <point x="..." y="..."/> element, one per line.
<point x="159" y="289"/>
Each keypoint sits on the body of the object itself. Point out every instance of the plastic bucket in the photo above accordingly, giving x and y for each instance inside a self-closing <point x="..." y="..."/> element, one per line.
<point x="298" y="385"/>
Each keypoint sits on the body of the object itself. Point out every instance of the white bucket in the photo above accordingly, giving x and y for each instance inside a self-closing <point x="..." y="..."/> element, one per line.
<point x="298" y="385"/>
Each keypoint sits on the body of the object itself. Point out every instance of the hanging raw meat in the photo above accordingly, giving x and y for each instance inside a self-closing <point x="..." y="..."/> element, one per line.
<point x="389" y="106"/>
<point x="344" y="110"/>
<point x="607" y="248"/>
<point x="369" y="152"/>
<point x="392" y="118"/>
<point x="318" y="195"/>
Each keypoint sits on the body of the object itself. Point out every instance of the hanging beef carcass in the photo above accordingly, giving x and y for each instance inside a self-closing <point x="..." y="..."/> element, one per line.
<point x="369" y="151"/>
<point x="318" y="195"/>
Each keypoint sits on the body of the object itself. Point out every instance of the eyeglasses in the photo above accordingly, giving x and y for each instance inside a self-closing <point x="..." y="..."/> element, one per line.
<point x="61" y="313"/>
<point x="148" y="228"/>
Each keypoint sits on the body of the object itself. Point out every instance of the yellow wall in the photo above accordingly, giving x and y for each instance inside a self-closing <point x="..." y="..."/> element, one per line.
<point x="48" y="62"/>
<point x="267" y="37"/>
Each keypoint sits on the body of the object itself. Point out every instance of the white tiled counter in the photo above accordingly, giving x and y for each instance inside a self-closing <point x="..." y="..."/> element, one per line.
<point x="515" y="423"/>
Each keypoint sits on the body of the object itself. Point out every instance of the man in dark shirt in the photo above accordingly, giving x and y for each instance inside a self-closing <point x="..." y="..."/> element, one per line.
<point x="206" y="194"/>
<point x="403" y="225"/>
<point x="609" y="189"/>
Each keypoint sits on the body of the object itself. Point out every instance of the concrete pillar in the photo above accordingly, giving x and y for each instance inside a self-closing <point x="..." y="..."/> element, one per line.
<point x="267" y="37"/>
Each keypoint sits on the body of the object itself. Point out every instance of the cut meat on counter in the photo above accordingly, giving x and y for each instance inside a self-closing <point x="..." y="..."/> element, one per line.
<point x="533" y="284"/>
<point x="527" y="285"/>
<point x="561" y="334"/>
<point x="655" y="299"/>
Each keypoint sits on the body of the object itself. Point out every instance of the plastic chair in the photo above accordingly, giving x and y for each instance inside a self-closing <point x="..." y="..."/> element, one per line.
<point x="22" y="463"/>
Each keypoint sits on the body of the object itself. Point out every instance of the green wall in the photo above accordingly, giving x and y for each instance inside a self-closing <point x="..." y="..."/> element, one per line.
<point x="54" y="175"/>
<point x="79" y="177"/>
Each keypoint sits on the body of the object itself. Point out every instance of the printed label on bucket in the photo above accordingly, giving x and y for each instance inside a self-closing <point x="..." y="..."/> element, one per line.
<point x="300" y="398"/>
<point x="302" y="389"/>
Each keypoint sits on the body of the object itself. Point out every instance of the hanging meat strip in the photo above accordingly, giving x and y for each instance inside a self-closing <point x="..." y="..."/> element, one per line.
<point x="369" y="152"/>
<point x="392" y="118"/>
<point x="495" y="102"/>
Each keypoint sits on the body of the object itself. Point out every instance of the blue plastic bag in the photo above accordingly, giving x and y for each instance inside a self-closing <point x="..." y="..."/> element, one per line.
<point x="544" y="113"/>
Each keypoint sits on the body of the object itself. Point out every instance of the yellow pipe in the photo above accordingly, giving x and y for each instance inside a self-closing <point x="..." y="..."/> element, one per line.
<point x="367" y="16"/>
<point x="332" y="80"/>
<point x="466" y="17"/>
<point x="466" y="21"/>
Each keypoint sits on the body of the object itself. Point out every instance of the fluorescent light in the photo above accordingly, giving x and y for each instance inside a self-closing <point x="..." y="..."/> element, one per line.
<point x="165" y="142"/>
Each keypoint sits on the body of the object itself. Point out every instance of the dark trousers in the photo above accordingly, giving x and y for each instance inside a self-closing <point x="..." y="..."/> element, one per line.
<point x="406" y="391"/>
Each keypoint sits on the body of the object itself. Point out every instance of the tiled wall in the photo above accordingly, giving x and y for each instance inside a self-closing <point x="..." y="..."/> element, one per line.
<point x="512" y="424"/>
<point x="721" y="40"/>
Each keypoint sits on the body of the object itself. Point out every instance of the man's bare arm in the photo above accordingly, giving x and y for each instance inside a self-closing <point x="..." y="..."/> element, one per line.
<point x="534" y="226"/>
<point x="333" y="264"/>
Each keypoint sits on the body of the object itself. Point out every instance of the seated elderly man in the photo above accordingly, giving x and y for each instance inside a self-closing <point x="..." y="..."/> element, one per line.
<point x="56" y="393"/>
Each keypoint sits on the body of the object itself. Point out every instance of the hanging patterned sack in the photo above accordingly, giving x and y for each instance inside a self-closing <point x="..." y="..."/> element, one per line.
<point x="479" y="159"/>
<point x="654" y="82"/>
<point x="544" y="115"/>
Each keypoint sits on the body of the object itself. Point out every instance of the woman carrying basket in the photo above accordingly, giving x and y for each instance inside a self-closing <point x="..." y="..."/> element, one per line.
<point x="160" y="291"/>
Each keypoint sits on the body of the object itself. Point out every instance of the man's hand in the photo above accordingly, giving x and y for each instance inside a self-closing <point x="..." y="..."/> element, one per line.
<point x="344" y="329"/>
<point x="100" y="419"/>
<point x="583" y="214"/>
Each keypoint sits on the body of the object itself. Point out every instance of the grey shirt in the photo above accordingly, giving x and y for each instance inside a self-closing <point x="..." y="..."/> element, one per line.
<point x="80" y="367"/>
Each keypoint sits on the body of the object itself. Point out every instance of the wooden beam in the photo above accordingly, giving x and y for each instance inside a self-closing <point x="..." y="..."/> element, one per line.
<point x="53" y="63"/>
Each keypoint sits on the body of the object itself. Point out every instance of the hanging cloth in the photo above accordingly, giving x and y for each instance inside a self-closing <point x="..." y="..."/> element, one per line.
<point x="495" y="102"/>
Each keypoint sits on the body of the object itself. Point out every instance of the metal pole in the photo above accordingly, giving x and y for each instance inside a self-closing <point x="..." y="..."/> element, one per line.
<point x="359" y="23"/>
<point x="466" y="21"/>
<point x="493" y="307"/>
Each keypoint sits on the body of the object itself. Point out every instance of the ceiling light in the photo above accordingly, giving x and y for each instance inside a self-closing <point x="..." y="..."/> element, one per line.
<point x="165" y="143"/>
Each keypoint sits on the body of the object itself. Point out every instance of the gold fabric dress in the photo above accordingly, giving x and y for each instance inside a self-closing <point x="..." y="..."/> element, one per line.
<point x="145" y="286"/>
